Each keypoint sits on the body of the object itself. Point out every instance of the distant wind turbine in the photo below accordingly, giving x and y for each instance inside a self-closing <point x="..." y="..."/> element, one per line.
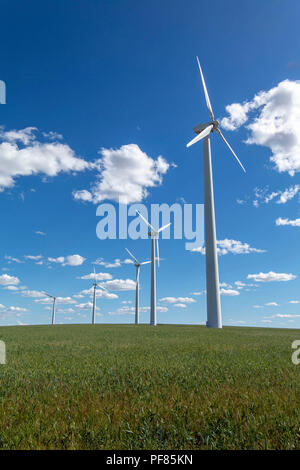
<point x="137" y="288"/>
<point x="53" y="307"/>
<point x="95" y="285"/>
<point x="214" y="316"/>
<point x="154" y="234"/>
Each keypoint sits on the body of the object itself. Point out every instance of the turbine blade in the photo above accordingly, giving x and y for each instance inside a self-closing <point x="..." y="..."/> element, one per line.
<point x="200" y="136"/>
<point x="208" y="104"/>
<point x="163" y="228"/>
<point x="132" y="256"/>
<point x="48" y="295"/>
<point x="157" y="250"/>
<point x="145" y="262"/>
<point x="222" y="137"/>
<point x="146" y="221"/>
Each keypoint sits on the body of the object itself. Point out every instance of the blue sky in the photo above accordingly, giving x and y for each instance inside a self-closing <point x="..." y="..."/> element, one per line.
<point x="122" y="75"/>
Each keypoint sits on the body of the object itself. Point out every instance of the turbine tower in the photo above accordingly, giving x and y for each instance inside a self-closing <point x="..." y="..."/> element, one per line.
<point x="154" y="234"/>
<point x="203" y="131"/>
<point x="137" y="288"/>
<point x="53" y="307"/>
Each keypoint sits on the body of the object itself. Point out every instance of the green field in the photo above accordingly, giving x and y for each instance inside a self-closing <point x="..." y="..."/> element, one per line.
<point x="142" y="387"/>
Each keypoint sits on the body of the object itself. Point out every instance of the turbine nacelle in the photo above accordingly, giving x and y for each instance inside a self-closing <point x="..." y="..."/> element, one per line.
<point x="198" y="129"/>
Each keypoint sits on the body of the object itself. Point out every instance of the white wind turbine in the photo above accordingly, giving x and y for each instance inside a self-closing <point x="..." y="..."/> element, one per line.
<point x="53" y="307"/>
<point x="203" y="131"/>
<point x="137" y="288"/>
<point x="154" y="234"/>
<point x="95" y="285"/>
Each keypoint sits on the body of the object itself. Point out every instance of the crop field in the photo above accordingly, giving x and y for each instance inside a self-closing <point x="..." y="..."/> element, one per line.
<point x="142" y="387"/>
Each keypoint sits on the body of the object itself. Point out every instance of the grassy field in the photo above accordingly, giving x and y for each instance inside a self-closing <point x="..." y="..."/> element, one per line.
<point x="128" y="387"/>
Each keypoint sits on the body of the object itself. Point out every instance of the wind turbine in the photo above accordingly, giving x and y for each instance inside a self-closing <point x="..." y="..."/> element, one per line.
<point x="137" y="292"/>
<point x="154" y="234"/>
<point x="203" y="131"/>
<point x="95" y="285"/>
<point x="54" y="306"/>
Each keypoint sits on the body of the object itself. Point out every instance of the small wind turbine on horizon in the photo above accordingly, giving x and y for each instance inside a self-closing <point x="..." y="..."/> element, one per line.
<point x="203" y="131"/>
<point x="95" y="285"/>
<point x="137" y="288"/>
<point x="154" y="234"/>
<point x="53" y="307"/>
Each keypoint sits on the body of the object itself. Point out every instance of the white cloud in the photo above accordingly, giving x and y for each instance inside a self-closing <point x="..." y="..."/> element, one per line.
<point x="12" y="288"/>
<point x="179" y="305"/>
<point x="293" y="223"/>
<point x="126" y="310"/>
<point x="99" y="276"/>
<point x="38" y="232"/>
<point x="6" y="279"/>
<point x="176" y="300"/>
<point x="125" y="174"/>
<point x="21" y="154"/>
<point x="271" y="277"/>
<point x="32" y="293"/>
<point x="117" y="263"/>
<point x="100" y="293"/>
<point x="275" y="124"/>
<point x="85" y="306"/>
<point x="12" y="259"/>
<point x="33" y="257"/>
<point x="120" y="284"/>
<point x="71" y="260"/>
<point x="285" y="315"/>
<point x="294" y="301"/>
<point x="74" y="260"/>
<point x="264" y="196"/>
<point x="271" y="304"/>
<point x="59" y="300"/>
<point x="59" y="260"/>
<point x="229" y="292"/>
<point x="231" y="246"/>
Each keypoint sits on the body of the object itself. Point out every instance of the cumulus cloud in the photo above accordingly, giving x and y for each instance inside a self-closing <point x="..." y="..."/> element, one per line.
<point x="85" y="306"/>
<point x="125" y="174"/>
<point x="294" y="301"/>
<point x="6" y="280"/>
<point x="271" y="304"/>
<point x="22" y="154"/>
<point x="231" y="246"/>
<point x="293" y="223"/>
<point x="274" y="123"/>
<point x="71" y="260"/>
<point x="229" y="292"/>
<point x="179" y="305"/>
<point x="101" y="293"/>
<point x="119" y="284"/>
<point x="99" y="276"/>
<point x="271" y="277"/>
